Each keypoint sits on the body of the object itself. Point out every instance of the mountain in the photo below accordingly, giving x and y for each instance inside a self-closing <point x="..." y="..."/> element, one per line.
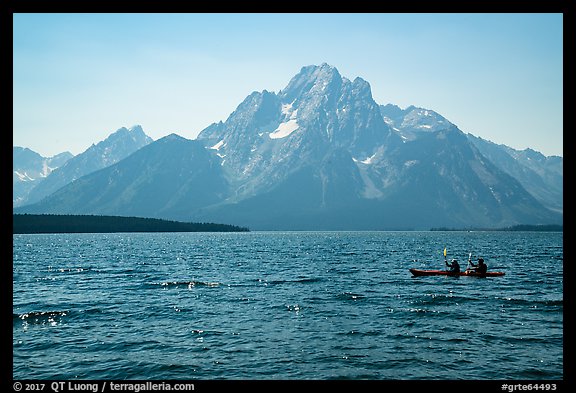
<point x="323" y="154"/>
<point x="271" y="136"/>
<point x="168" y="178"/>
<point x="413" y="121"/>
<point x="319" y="154"/>
<point x="30" y="169"/>
<point x="114" y="148"/>
<point x="540" y="175"/>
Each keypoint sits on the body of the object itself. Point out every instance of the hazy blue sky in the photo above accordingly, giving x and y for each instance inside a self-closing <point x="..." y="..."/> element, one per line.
<point x="79" y="77"/>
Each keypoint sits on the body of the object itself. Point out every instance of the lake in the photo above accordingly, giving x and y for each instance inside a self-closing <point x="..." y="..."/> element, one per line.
<point x="286" y="305"/>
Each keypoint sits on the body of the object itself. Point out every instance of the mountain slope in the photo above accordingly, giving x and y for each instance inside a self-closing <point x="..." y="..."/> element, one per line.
<point x="540" y="175"/>
<point x="30" y="169"/>
<point x="171" y="177"/>
<point x="117" y="146"/>
<point x="446" y="180"/>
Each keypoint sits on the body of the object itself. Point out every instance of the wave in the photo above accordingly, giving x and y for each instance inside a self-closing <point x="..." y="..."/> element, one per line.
<point x="350" y="296"/>
<point x="40" y="317"/>
<point x="301" y="280"/>
<point x="422" y="310"/>
<point x="69" y="269"/>
<point x="206" y="333"/>
<point x="189" y="284"/>
<point x="52" y="317"/>
<point x="544" y="302"/>
<point x="443" y="299"/>
<point x="293" y="307"/>
<point x="355" y="333"/>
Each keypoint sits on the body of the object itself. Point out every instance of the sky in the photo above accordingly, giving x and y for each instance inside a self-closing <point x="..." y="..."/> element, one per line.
<point x="77" y="78"/>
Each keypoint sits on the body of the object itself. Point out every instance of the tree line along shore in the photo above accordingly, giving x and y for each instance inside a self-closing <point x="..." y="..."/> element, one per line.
<point x="56" y="223"/>
<point x="513" y="228"/>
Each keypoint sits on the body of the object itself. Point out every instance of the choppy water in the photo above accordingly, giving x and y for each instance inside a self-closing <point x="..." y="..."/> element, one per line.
<point x="297" y="305"/>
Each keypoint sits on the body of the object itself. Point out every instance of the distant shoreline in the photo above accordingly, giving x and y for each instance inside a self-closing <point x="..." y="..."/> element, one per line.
<point x="513" y="228"/>
<point x="67" y="223"/>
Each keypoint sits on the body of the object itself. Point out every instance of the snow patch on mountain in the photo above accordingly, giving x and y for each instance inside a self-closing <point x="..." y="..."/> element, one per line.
<point x="218" y="145"/>
<point x="287" y="109"/>
<point x="23" y="176"/>
<point x="288" y="127"/>
<point x="284" y="129"/>
<point x="366" y="161"/>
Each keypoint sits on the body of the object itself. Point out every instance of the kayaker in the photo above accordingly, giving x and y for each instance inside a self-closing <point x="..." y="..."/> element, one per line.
<point x="481" y="267"/>
<point x="454" y="266"/>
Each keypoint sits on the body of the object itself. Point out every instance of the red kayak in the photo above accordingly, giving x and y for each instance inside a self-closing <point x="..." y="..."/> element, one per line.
<point x="418" y="272"/>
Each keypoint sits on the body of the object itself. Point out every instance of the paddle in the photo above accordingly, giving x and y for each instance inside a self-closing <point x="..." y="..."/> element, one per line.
<point x="469" y="260"/>
<point x="445" y="261"/>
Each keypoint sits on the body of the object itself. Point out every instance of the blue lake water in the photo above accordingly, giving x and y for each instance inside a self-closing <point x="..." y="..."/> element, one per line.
<point x="293" y="305"/>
